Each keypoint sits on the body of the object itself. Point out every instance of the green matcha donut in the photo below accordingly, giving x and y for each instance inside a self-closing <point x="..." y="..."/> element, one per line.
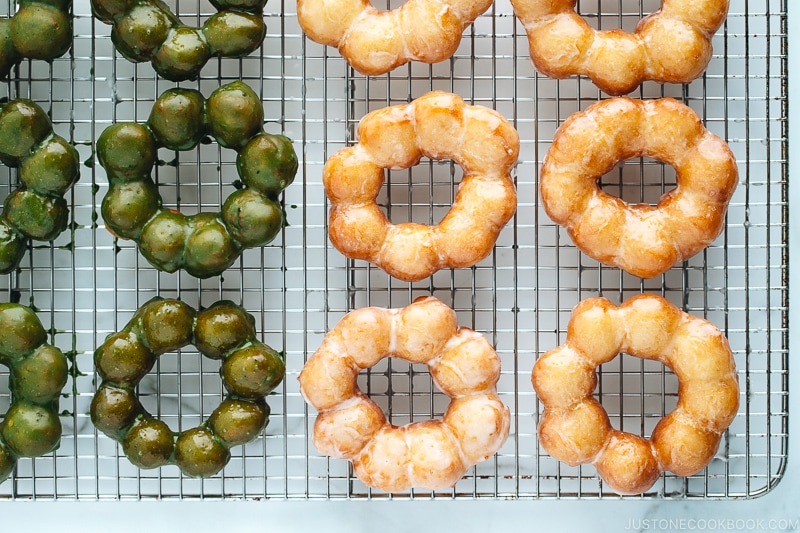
<point x="48" y="168"/>
<point x="38" y="373"/>
<point x="146" y="30"/>
<point x="204" y="244"/>
<point x="40" y="29"/>
<point x="223" y="331"/>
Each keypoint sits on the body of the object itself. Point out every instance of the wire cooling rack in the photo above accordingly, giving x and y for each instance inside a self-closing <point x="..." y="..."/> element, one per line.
<point x="86" y="284"/>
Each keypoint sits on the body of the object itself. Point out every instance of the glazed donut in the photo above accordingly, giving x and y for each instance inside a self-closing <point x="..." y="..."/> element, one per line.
<point x="204" y="244"/>
<point x="146" y="30"/>
<point x="375" y="42"/>
<point x="38" y="30"/>
<point x="38" y="372"/>
<point x="48" y="168"/>
<point x="642" y="239"/>
<point x="575" y="428"/>
<point x="438" y="125"/>
<point x="430" y="454"/>
<point x="250" y="370"/>
<point x="672" y="45"/>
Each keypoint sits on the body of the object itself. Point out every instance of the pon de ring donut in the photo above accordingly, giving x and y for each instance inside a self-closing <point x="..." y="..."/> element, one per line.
<point x="672" y="45"/>
<point x="642" y="239"/>
<point x="250" y="370"/>
<point x="146" y="30"/>
<point x="432" y="454"/>
<point x="375" y="42"/>
<point x="205" y="244"/>
<point x="438" y="125"/>
<point x="40" y="29"/>
<point x="575" y="428"/>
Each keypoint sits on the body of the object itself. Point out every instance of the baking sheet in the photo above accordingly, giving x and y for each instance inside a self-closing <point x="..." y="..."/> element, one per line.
<point x="87" y="285"/>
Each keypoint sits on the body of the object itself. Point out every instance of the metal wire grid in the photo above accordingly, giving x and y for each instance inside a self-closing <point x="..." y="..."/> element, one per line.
<point x="87" y="285"/>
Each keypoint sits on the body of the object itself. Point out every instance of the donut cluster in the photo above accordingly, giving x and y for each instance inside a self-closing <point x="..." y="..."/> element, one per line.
<point x="432" y="454"/>
<point x="672" y="45"/>
<point x="575" y="428"/>
<point x="374" y="42"/>
<point x="204" y="244"/>
<point x="642" y="239"/>
<point x="38" y="30"/>
<point x="438" y="125"/>
<point x="38" y="371"/>
<point x="250" y="370"/>
<point x="48" y="167"/>
<point x="146" y="30"/>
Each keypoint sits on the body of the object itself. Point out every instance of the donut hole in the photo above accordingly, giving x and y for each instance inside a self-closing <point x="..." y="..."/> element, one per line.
<point x="198" y="180"/>
<point x="422" y="194"/>
<point x="183" y="389"/>
<point x="641" y="180"/>
<point x="5" y="390"/>
<point x="615" y="14"/>
<point x="636" y="393"/>
<point x="405" y="392"/>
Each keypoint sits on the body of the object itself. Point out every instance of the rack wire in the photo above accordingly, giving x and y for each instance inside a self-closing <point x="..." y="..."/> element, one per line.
<point x="86" y="285"/>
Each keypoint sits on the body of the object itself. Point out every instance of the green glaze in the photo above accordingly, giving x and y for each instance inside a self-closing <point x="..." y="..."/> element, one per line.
<point x="114" y="409"/>
<point x="146" y="30"/>
<point x="268" y="163"/>
<point x="253" y="371"/>
<point x="23" y="124"/>
<point x="40" y="31"/>
<point x="176" y="119"/>
<point x="163" y="240"/>
<point x="127" y="151"/>
<point x="221" y="328"/>
<point x="223" y="331"/>
<point x="235" y="115"/>
<point x="199" y="454"/>
<point x="30" y="430"/>
<point x="37" y="374"/>
<point x="36" y="216"/>
<point x="12" y="247"/>
<point x="127" y="206"/>
<point x="168" y="326"/>
<point x="149" y="443"/>
<point x="253" y="219"/>
<point x="53" y="168"/>
<point x="204" y="244"/>
<point x="20" y="332"/>
<point x="210" y="249"/>
<point x="233" y="33"/>
<point x="238" y="421"/>
<point x="40" y="377"/>
<point x="182" y="55"/>
<point x="123" y="359"/>
<point x="140" y="31"/>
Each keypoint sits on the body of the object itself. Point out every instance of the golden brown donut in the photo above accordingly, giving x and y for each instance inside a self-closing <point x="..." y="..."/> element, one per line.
<point x="642" y="239"/>
<point x="672" y="45"/>
<point x="575" y="428"/>
<point x="433" y="454"/>
<point x="375" y="42"/>
<point x="438" y="125"/>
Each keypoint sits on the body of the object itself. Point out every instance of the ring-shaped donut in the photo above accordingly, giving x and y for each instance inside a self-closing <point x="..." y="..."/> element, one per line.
<point x="642" y="239"/>
<point x="575" y="428"/>
<point x="146" y="30"/>
<point x="375" y="42"/>
<point x="38" y="30"/>
<point x="250" y="370"/>
<point x="38" y="373"/>
<point x="437" y="125"/>
<point x="672" y="45"/>
<point x="207" y="243"/>
<point x="48" y="167"/>
<point x="432" y="454"/>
